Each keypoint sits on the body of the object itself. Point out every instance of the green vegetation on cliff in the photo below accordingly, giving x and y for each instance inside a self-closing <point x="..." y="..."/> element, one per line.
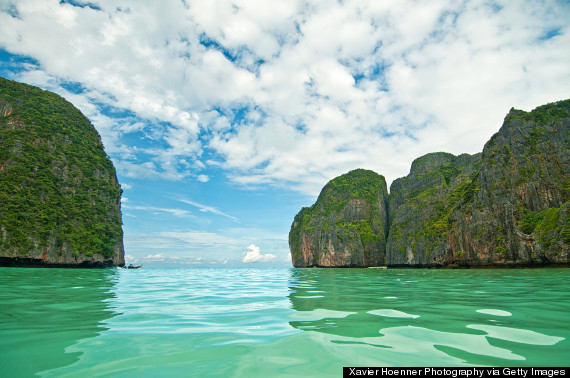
<point x="422" y="203"/>
<point x="59" y="196"/>
<point x="360" y="183"/>
<point x="505" y="206"/>
<point x="350" y="211"/>
<point x="553" y="112"/>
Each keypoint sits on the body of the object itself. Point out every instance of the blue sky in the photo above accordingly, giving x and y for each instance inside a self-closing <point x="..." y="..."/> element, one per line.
<point x="224" y="118"/>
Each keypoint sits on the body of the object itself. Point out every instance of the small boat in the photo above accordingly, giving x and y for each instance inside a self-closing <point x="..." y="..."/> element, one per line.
<point x="133" y="266"/>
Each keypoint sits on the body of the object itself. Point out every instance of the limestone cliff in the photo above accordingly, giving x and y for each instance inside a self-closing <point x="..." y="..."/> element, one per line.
<point x="518" y="214"/>
<point x="505" y="206"/>
<point x="346" y="226"/>
<point x="59" y="194"/>
<point x="420" y="204"/>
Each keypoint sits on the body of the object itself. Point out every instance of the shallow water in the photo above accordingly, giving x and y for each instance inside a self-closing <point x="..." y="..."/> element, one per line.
<point x="277" y="322"/>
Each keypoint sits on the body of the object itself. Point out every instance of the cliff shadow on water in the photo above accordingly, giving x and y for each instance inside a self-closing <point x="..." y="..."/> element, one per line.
<point x="506" y="206"/>
<point x="44" y="312"/>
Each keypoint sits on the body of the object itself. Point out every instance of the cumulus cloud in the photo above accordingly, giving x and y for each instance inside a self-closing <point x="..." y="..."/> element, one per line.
<point x="253" y="254"/>
<point x="291" y="93"/>
<point x="157" y="257"/>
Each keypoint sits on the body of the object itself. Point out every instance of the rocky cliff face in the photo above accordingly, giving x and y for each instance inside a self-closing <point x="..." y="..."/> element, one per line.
<point x="518" y="214"/>
<point x="420" y="205"/>
<point x="346" y="226"/>
<point x="59" y="194"/>
<point x="505" y="206"/>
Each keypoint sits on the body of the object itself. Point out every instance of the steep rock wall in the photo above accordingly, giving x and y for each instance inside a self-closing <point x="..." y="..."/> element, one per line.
<point x="346" y="226"/>
<point x="59" y="194"/>
<point x="420" y="205"/>
<point x="506" y="206"/>
<point x="519" y="212"/>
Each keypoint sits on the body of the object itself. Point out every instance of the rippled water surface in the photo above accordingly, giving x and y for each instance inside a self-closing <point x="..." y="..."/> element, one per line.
<point x="277" y="322"/>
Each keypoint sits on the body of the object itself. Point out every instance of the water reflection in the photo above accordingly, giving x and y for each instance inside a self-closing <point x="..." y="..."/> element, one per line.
<point x="45" y="311"/>
<point x="432" y="317"/>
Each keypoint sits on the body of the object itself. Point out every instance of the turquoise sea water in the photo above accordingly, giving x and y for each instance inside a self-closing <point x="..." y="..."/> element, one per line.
<point x="277" y="322"/>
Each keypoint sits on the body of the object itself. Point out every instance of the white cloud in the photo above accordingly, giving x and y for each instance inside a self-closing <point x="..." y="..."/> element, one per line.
<point x="203" y="242"/>
<point x="175" y="212"/>
<point x="157" y="257"/>
<point x="207" y="209"/>
<point x="326" y="86"/>
<point x="201" y="238"/>
<point x="253" y="254"/>
<point x="203" y="178"/>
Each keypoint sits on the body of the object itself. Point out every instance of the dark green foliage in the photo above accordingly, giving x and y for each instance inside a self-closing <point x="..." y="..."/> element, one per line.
<point x="565" y="234"/>
<point x="525" y="175"/>
<point x="359" y="183"/>
<point x="449" y="171"/>
<point x="428" y="160"/>
<point x="548" y="230"/>
<point x="438" y="225"/>
<point x="56" y="182"/>
<point x="546" y="226"/>
<point x="534" y="139"/>
<point x="464" y="209"/>
<point x="530" y="220"/>
<point x="544" y="114"/>
<point x="550" y="220"/>
<point x="325" y="221"/>
<point x="565" y="187"/>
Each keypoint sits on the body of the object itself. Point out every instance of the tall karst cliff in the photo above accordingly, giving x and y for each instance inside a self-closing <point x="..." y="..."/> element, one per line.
<point x="519" y="210"/>
<point x="420" y="204"/>
<point x="505" y="206"/>
<point x="346" y="226"/>
<point x="59" y="194"/>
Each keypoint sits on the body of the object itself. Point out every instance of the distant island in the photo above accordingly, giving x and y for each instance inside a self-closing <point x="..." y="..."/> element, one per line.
<point x="507" y="206"/>
<point x="60" y="201"/>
